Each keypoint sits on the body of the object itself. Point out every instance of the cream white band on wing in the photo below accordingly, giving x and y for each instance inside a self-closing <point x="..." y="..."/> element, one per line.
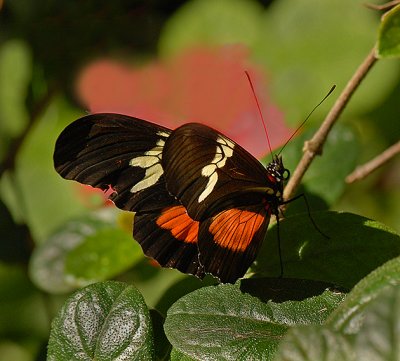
<point x="223" y="152"/>
<point x="151" y="161"/>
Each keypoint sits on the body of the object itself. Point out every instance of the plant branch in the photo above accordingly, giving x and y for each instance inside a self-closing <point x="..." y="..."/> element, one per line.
<point x="385" y="7"/>
<point x="364" y="170"/>
<point x="8" y="162"/>
<point x="314" y="146"/>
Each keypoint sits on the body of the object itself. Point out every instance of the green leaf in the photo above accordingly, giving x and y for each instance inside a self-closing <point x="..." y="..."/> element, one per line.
<point x="389" y="34"/>
<point x="102" y="255"/>
<point x="23" y="313"/>
<point x="15" y="74"/>
<point x="348" y="317"/>
<point x="181" y="287"/>
<point x="221" y="322"/>
<point x="47" y="264"/>
<point x="179" y="356"/>
<point x="36" y="193"/>
<point x="322" y="179"/>
<point x="314" y="343"/>
<point x="162" y="347"/>
<point x="282" y="289"/>
<point x="357" y="245"/>
<point x="153" y="281"/>
<point x="379" y="336"/>
<point x="211" y="22"/>
<point x="82" y="252"/>
<point x="104" y="321"/>
<point x="14" y="351"/>
<point x="309" y="45"/>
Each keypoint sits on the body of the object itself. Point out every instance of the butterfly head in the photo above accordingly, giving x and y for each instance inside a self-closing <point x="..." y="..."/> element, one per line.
<point x="277" y="170"/>
<point x="277" y="173"/>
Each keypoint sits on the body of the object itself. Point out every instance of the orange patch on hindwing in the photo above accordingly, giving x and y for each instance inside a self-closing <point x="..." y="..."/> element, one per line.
<point x="177" y="221"/>
<point x="235" y="228"/>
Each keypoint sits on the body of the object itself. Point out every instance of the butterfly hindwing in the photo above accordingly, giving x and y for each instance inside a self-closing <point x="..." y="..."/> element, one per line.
<point x="230" y="240"/>
<point x="170" y="236"/>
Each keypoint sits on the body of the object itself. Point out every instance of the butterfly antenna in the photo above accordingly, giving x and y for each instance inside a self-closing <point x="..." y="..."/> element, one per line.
<point x="259" y="111"/>
<point x="308" y="116"/>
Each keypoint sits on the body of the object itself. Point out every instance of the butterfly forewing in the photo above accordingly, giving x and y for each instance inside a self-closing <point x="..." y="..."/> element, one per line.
<point x="104" y="150"/>
<point x="205" y="169"/>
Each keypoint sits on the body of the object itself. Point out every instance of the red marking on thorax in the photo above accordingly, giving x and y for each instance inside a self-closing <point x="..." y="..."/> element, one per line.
<point x="271" y="178"/>
<point x="177" y="221"/>
<point x="267" y="206"/>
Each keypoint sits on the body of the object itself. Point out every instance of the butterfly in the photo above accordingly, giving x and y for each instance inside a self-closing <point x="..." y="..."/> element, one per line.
<point x="202" y="203"/>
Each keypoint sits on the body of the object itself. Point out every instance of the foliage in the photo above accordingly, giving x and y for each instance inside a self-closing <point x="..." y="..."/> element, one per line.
<point x="67" y="256"/>
<point x="104" y="321"/>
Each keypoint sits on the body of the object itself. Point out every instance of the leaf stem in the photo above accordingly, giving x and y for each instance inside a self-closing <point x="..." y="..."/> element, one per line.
<point x="9" y="160"/>
<point x="314" y="146"/>
<point x="364" y="170"/>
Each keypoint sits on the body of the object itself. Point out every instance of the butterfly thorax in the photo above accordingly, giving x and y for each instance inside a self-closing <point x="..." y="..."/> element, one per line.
<point x="277" y="174"/>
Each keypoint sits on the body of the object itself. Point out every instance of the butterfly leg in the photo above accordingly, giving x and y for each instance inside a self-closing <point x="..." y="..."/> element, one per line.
<point x="308" y="211"/>
<point x="279" y="246"/>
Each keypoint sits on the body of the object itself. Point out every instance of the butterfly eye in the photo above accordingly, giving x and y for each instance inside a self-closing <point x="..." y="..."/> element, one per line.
<point x="285" y="174"/>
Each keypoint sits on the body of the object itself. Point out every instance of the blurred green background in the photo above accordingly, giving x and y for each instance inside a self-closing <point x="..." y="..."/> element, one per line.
<point x="50" y="228"/>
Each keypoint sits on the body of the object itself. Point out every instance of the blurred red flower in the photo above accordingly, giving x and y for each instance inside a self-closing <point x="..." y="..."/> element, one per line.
<point x="206" y="85"/>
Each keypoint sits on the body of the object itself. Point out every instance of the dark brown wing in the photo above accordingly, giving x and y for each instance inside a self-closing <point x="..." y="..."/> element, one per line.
<point x="204" y="170"/>
<point x="104" y="150"/>
<point x="170" y="236"/>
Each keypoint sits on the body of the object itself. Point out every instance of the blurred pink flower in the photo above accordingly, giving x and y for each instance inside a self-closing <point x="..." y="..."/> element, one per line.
<point x="201" y="85"/>
<point x="93" y="198"/>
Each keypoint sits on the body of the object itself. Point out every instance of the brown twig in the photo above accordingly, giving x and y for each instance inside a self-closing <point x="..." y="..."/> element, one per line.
<point x="314" y="146"/>
<point x="8" y="162"/>
<point x="385" y="7"/>
<point x="364" y="170"/>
